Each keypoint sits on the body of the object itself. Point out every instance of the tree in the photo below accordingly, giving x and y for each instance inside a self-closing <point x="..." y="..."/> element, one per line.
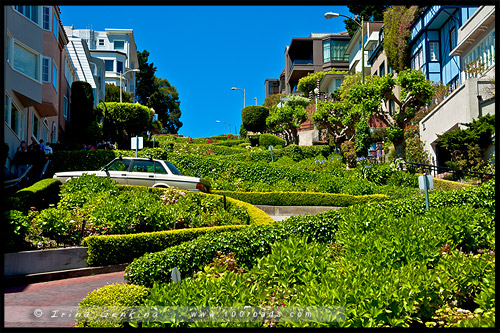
<point x="397" y="31"/>
<point x="125" y="120"/>
<point x="158" y="94"/>
<point x="272" y="100"/>
<point x="308" y="83"/>
<point x="358" y="102"/>
<point x="289" y="118"/>
<point x="165" y="102"/>
<point x="113" y="94"/>
<point x="369" y="13"/>
<point x="82" y="125"/>
<point x="145" y="78"/>
<point x="254" y="117"/>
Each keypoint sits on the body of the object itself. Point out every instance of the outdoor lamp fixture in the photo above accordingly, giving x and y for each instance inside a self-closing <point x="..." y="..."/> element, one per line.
<point x="255" y="100"/>
<point x="121" y="75"/>
<point x="234" y="88"/>
<point x="229" y="125"/>
<point x="329" y="15"/>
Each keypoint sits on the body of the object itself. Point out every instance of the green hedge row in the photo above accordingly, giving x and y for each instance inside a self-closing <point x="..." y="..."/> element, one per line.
<point x="447" y="185"/>
<point x="39" y="195"/>
<point x="254" y="241"/>
<point x="119" y="249"/>
<point x="301" y="198"/>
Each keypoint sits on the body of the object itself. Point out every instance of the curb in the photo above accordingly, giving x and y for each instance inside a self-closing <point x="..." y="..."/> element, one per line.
<point x="19" y="280"/>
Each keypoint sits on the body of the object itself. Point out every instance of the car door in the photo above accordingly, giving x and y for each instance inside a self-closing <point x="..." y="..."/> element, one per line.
<point x="143" y="173"/>
<point x="118" y="170"/>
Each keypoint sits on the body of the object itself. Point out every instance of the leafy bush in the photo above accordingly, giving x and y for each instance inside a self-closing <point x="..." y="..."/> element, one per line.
<point x="16" y="227"/>
<point x="117" y="297"/>
<point x="266" y="140"/>
<point x="254" y="117"/>
<point x="447" y="185"/>
<point x="349" y="153"/>
<point x="81" y="160"/>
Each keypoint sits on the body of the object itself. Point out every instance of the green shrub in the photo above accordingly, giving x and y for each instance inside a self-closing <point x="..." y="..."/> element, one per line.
<point x="115" y="297"/>
<point x="16" y="227"/>
<point x="119" y="249"/>
<point x="266" y="140"/>
<point x="300" y="198"/>
<point x="254" y="117"/>
<point x="77" y="191"/>
<point x="447" y="185"/>
<point x="39" y="195"/>
<point x="81" y="160"/>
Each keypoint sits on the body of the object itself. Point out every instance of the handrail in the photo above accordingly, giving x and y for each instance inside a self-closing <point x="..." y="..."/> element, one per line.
<point x="14" y="182"/>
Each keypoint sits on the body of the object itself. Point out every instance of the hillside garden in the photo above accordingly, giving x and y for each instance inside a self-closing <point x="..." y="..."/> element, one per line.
<point x="381" y="260"/>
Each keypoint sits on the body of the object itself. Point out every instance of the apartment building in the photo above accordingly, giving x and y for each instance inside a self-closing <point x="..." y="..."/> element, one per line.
<point x="445" y="39"/>
<point x="117" y="48"/>
<point x="37" y="76"/>
<point x="355" y="47"/>
<point x="320" y="52"/>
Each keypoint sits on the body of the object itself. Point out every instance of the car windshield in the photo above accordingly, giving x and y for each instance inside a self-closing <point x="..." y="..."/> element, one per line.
<point x="173" y="169"/>
<point x="118" y="165"/>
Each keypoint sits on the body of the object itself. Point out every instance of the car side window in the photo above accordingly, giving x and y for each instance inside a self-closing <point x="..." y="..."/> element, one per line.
<point x="119" y="165"/>
<point x="143" y="166"/>
<point x="159" y="168"/>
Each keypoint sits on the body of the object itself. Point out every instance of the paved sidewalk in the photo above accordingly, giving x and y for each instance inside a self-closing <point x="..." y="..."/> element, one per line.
<point x="20" y="302"/>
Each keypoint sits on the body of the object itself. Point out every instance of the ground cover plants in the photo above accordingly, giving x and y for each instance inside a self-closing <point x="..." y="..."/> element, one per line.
<point x="388" y="263"/>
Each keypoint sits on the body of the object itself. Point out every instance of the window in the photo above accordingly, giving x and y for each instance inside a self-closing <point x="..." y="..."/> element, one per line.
<point x="16" y="120"/>
<point x="26" y="61"/>
<point x="53" y="135"/>
<point x="453" y="84"/>
<point x="6" y="111"/>
<point x="56" y="27"/>
<point x="66" y="108"/>
<point x="418" y="60"/>
<point x="119" y="66"/>
<point x="453" y="38"/>
<point x="46" y="18"/>
<point x="101" y="42"/>
<point x="381" y="69"/>
<point x="119" y="45"/>
<point x="45" y="69"/>
<point x="68" y="74"/>
<point x="35" y="126"/>
<point x="159" y="168"/>
<point x="31" y="12"/>
<point x="143" y="166"/>
<point x="481" y="58"/>
<point x="392" y="107"/>
<point x="119" y="165"/>
<point x="173" y="169"/>
<point x="434" y="51"/>
<point x="54" y="76"/>
<point x="334" y="50"/>
<point x="45" y="130"/>
<point x="108" y="65"/>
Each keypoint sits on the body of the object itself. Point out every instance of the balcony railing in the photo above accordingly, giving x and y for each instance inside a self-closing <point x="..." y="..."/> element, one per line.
<point x="301" y="62"/>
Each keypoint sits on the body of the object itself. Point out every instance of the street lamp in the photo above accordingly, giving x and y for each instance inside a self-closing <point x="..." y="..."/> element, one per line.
<point x="121" y="75"/>
<point x="234" y="88"/>
<point x="229" y="125"/>
<point x="329" y="15"/>
<point x="255" y="100"/>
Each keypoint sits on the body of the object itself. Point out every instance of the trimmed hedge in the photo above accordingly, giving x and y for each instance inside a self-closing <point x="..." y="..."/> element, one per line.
<point x="114" y="296"/>
<point x="301" y="198"/>
<point x="39" y="195"/>
<point x="119" y="249"/>
<point x="447" y="185"/>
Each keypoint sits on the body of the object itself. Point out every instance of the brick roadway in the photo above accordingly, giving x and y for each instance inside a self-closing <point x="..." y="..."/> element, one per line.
<point x="20" y="302"/>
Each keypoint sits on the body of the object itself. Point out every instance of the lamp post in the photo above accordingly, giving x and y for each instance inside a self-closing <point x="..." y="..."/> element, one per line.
<point x="121" y="75"/>
<point x="234" y="88"/>
<point x="329" y="15"/>
<point x="255" y="100"/>
<point x="229" y="125"/>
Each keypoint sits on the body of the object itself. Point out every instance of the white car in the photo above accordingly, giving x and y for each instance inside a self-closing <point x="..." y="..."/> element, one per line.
<point x="144" y="172"/>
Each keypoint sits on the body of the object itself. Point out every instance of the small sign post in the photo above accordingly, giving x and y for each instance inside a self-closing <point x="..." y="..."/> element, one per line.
<point x="136" y="143"/>
<point x="176" y="275"/>
<point x="271" y="150"/>
<point x="425" y="183"/>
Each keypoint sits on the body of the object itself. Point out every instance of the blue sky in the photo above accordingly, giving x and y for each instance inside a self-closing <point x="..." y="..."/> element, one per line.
<point x="205" y="50"/>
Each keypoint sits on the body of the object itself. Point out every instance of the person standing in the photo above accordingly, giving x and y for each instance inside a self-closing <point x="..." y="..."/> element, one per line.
<point x="48" y="149"/>
<point x="22" y="159"/>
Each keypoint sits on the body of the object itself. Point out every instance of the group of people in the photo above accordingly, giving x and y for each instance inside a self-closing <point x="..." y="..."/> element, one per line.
<point x="102" y="145"/>
<point x="33" y="155"/>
